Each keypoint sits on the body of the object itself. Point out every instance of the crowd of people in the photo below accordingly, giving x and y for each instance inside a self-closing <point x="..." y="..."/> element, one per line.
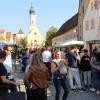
<point x="69" y="68"/>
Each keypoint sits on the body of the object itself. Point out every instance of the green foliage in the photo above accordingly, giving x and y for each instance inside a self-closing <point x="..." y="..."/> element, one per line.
<point x="50" y="35"/>
<point x="22" y="41"/>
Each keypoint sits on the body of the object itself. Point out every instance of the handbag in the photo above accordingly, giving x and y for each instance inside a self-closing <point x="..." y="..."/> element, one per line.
<point x="63" y="70"/>
<point x="57" y="73"/>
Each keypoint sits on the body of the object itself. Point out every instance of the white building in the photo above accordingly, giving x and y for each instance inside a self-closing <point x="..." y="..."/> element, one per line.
<point x="91" y="23"/>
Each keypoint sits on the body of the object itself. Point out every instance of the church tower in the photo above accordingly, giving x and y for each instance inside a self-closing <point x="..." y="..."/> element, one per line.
<point x="32" y="16"/>
<point x="34" y="38"/>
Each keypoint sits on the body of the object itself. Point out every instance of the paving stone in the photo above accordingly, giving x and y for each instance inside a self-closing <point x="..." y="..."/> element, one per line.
<point x="73" y="95"/>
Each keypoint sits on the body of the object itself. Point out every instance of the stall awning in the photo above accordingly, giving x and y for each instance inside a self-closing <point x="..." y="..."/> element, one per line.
<point x="73" y="42"/>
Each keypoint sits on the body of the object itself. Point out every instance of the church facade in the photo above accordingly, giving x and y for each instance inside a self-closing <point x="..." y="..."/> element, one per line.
<point x="34" y="38"/>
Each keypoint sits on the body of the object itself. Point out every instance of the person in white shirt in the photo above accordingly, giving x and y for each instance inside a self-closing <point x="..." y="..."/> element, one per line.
<point x="8" y="65"/>
<point x="46" y="55"/>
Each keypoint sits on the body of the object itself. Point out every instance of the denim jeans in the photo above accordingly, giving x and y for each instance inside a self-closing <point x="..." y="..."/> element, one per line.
<point x="74" y="74"/>
<point x="87" y="77"/>
<point x="96" y="78"/>
<point x="14" y="63"/>
<point x="58" y="82"/>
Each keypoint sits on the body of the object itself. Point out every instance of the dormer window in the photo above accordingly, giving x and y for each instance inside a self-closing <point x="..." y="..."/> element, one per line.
<point x="92" y="6"/>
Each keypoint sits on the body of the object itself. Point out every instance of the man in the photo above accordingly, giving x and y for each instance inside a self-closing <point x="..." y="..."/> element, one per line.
<point x="73" y="58"/>
<point x="46" y="55"/>
<point x="8" y="65"/>
<point x="14" y="54"/>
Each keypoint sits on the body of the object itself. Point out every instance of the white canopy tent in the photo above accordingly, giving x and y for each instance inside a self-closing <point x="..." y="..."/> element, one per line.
<point x="73" y="42"/>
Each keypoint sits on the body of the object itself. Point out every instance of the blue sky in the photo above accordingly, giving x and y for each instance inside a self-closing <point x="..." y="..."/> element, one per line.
<point x="14" y="14"/>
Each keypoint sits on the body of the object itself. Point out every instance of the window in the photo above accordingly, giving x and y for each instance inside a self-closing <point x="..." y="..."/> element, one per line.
<point x="35" y="33"/>
<point x="35" y="40"/>
<point x="92" y="24"/>
<point x="80" y="38"/>
<point x="83" y="9"/>
<point x="99" y="23"/>
<point x="92" y="6"/>
<point x="81" y="1"/>
<point x="86" y="25"/>
<point x="32" y="22"/>
<point x="80" y="26"/>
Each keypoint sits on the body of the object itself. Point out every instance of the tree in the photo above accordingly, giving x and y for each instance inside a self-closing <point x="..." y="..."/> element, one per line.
<point x="50" y="35"/>
<point x="22" y="41"/>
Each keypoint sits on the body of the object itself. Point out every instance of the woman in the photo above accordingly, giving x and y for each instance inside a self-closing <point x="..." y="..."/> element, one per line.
<point x="59" y="76"/>
<point x="4" y="82"/>
<point x="95" y="63"/>
<point x="36" y="79"/>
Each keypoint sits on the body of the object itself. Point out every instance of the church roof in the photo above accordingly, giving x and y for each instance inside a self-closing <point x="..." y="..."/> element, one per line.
<point x="20" y="31"/>
<point x="32" y="11"/>
<point x="69" y="24"/>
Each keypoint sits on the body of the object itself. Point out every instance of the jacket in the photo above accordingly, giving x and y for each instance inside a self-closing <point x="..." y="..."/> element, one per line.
<point x="38" y="78"/>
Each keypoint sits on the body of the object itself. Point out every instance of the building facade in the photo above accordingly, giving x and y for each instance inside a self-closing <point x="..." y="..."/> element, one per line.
<point x="34" y="37"/>
<point x="20" y="35"/>
<point x="2" y="38"/>
<point x="83" y="5"/>
<point x="7" y="37"/>
<point x="91" y="24"/>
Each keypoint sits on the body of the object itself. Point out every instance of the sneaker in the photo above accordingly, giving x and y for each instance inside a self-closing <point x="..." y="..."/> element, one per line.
<point x="92" y="89"/>
<point x="97" y="92"/>
<point x="73" y="88"/>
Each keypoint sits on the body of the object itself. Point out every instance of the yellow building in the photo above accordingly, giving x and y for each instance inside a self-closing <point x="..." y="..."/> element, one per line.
<point x="34" y="38"/>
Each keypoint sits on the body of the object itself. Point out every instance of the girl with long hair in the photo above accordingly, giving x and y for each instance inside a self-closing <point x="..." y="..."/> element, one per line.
<point x="36" y="80"/>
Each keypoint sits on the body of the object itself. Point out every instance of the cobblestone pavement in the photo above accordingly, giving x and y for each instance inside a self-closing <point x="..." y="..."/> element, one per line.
<point x="73" y="95"/>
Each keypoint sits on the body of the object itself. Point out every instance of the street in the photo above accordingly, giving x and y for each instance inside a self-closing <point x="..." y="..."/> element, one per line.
<point x="73" y="95"/>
